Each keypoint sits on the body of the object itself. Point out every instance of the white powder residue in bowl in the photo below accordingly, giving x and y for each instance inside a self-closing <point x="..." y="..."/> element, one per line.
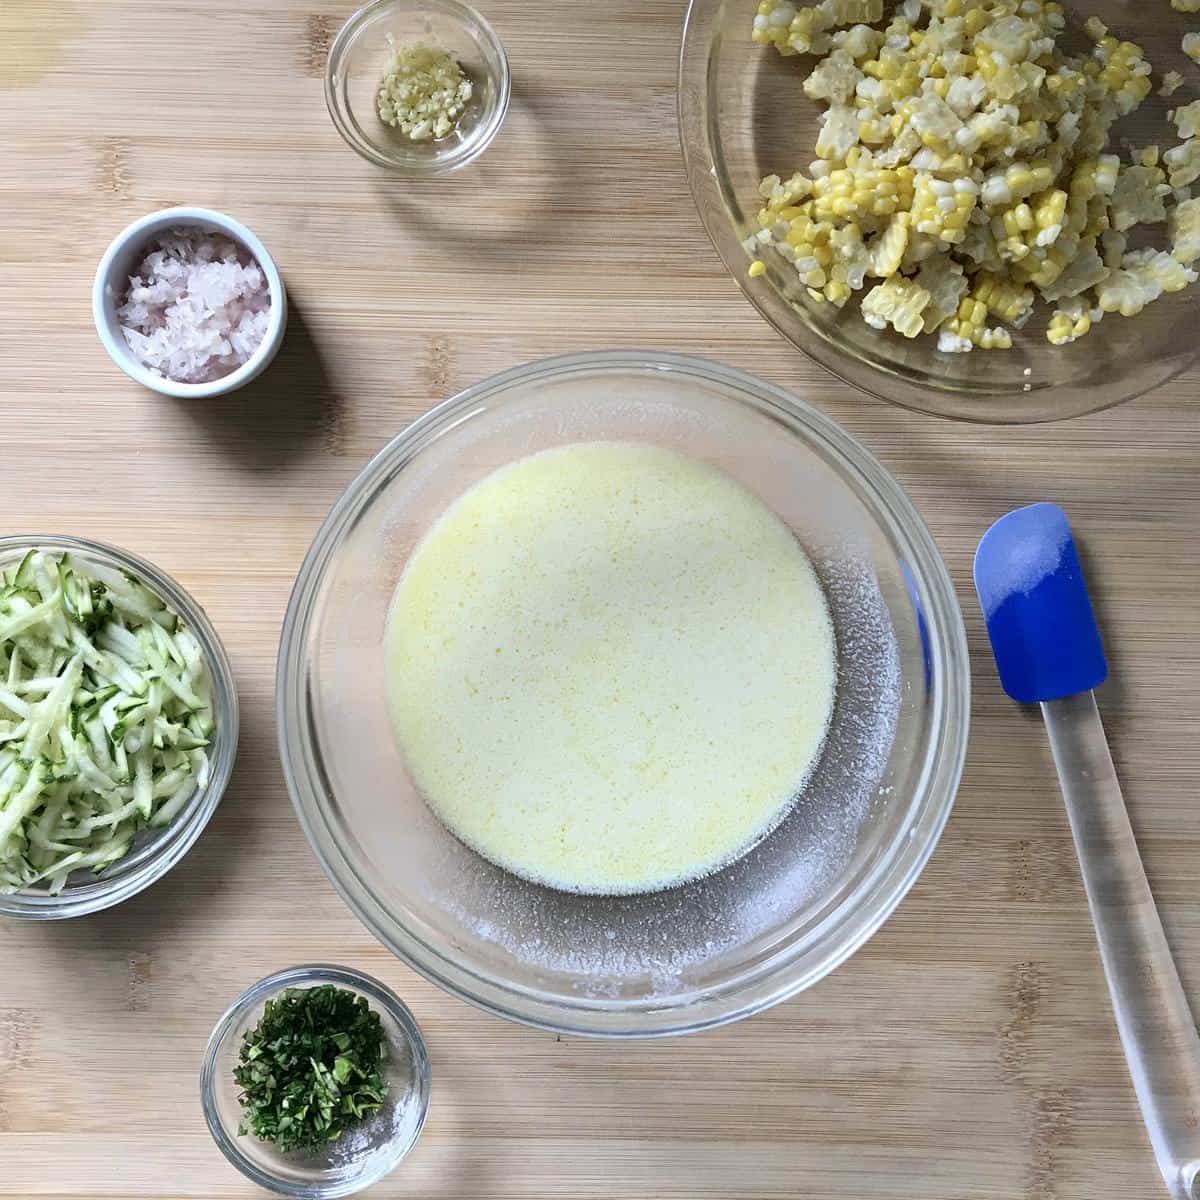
<point x="197" y="308"/>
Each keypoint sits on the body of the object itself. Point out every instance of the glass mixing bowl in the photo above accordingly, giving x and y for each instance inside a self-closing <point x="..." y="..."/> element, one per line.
<point x="743" y="115"/>
<point x="705" y="952"/>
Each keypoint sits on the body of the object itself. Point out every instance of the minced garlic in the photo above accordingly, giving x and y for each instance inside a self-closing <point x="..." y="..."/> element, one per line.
<point x="423" y="93"/>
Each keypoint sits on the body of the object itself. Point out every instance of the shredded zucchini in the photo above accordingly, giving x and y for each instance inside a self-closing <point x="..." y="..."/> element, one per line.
<point x="105" y="716"/>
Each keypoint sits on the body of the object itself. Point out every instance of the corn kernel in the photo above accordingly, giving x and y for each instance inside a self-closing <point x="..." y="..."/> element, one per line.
<point x="985" y="157"/>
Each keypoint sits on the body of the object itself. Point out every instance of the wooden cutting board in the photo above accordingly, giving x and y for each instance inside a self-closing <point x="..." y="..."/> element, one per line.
<point x="967" y="1052"/>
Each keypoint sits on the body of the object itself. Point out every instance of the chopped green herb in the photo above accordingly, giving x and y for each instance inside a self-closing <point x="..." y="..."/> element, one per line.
<point x="311" y="1069"/>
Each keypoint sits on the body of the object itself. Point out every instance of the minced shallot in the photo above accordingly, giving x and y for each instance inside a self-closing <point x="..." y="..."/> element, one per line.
<point x="198" y="306"/>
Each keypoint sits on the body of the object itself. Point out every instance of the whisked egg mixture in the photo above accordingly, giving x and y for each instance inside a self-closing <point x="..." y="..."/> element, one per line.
<point x="611" y="668"/>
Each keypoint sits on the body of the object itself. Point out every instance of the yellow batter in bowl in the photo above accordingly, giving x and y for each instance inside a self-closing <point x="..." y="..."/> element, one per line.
<point x="611" y="668"/>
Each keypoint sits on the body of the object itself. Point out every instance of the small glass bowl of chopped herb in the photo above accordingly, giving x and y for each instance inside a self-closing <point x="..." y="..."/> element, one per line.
<point x="315" y="1083"/>
<point x="118" y="725"/>
<point x="417" y="86"/>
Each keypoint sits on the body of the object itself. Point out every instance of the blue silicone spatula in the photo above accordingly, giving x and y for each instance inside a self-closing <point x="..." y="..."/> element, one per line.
<point x="1048" y="652"/>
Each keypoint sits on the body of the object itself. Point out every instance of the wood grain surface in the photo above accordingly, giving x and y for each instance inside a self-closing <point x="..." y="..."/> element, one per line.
<point x="967" y="1052"/>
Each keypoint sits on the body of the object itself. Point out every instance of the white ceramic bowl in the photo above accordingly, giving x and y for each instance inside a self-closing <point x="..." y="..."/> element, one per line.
<point x="112" y="277"/>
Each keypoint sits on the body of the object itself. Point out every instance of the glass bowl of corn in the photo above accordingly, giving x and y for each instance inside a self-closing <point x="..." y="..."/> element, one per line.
<point x="979" y="209"/>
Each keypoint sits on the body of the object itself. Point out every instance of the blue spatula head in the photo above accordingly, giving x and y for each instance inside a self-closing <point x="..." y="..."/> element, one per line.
<point x="1036" y="606"/>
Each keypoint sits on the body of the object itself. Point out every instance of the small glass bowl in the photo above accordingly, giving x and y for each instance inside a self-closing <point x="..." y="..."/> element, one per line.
<point x="155" y="852"/>
<point x="356" y="65"/>
<point x="363" y="1156"/>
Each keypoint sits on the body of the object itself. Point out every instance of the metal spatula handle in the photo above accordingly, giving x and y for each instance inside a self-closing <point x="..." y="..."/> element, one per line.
<point x="1155" y="1023"/>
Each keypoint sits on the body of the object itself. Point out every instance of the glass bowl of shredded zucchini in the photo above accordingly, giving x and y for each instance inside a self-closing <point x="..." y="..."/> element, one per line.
<point x="118" y="725"/>
<point x="980" y="209"/>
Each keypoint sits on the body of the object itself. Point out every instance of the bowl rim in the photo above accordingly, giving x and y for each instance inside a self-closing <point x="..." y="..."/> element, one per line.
<point x="875" y="377"/>
<point x="311" y="975"/>
<point x="769" y="983"/>
<point x="418" y="166"/>
<point x="143" y="867"/>
<point x="106" y="287"/>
